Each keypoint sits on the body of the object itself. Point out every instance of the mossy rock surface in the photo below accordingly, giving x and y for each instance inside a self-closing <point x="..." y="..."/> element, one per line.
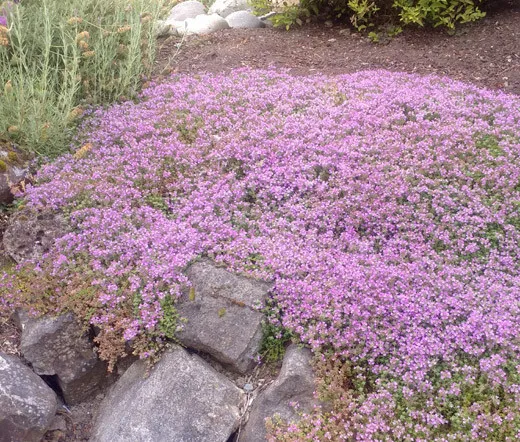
<point x="13" y="169"/>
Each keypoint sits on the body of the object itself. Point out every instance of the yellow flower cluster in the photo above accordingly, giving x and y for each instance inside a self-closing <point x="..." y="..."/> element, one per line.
<point x="8" y="87"/>
<point x="84" y="35"/>
<point x="123" y="29"/>
<point x="45" y="131"/>
<point x="75" y="113"/>
<point x="83" y="151"/>
<point x="75" y="20"/>
<point x="146" y="17"/>
<point x="83" y="45"/>
<point x="89" y="54"/>
<point x="4" y="40"/>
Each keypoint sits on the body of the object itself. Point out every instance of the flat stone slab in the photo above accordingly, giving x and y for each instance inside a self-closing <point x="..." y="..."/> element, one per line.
<point x="221" y="316"/>
<point x="294" y="385"/>
<point x="27" y="404"/>
<point x="58" y="346"/>
<point x="30" y="233"/>
<point x="183" y="400"/>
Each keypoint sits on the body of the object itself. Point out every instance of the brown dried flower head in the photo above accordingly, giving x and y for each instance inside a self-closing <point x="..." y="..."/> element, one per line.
<point x="83" y="45"/>
<point x="123" y="29"/>
<point x="84" y="35"/>
<point x="74" y="20"/>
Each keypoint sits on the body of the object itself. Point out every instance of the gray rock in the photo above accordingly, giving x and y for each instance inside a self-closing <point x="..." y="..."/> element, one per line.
<point x="244" y="20"/>
<point x="162" y="28"/>
<point x="177" y="27"/>
<point x="187" y="9"/>
<point x="5" y="260"/>
<point x="203" y="24"/>
<point x="12" y="171"/>
<point x="221" y="317"/>
<point x="183" y="400"/>
<point x="295" y="384"/>
<point x="58" y="346"/>
<point x="30" y="233"/>
<point x="226" y="7"/>
<point x="27" y="404"/>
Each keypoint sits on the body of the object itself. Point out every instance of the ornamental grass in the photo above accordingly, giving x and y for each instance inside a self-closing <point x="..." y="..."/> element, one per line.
<point x="57" y="55"/>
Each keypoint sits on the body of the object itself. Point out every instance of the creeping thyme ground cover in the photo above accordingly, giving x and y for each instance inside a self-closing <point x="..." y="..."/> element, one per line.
<point x="385" y="207"/>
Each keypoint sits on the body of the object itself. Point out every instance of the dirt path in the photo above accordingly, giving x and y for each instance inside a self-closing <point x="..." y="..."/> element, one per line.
<point x="486" y="53"/>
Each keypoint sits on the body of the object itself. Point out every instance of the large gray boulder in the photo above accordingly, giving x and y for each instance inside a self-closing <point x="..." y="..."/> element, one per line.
<point x="31" y="233"/>
<point x="184" y="10"/>
<point x="202" y="24"/>
<point x="27" y="404"/>
<point x="58" y="346"/>
<point x="295" y="384"/>
<point x="226" y="7"/>
<point x="183" y="400"/>
<point x="221" y="316"/>
<point x="244" y="20"/>
<point x="12" y="171"/>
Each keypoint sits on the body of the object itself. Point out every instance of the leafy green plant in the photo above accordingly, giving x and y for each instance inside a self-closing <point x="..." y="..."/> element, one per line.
<point x="363" y="13"/>
<point x="368" y="14"/>
<point x="438" y="12"/>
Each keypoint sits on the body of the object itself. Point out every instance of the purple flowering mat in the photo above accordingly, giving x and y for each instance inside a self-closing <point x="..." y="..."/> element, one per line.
<point x="384" y="206"/>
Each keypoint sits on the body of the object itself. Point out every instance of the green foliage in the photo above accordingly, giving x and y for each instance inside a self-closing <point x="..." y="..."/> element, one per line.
<point x="363" y="13"/>
<point x="366" y="14"/>
<point x="168" y="323"/>
<point x="438" y="12"/>
<point x="59" y="56"/>
<point x="489" y="142"/>
<point x="192" y="295"/>
<point x="275" y="337"/>
<point x="157" y="202"/>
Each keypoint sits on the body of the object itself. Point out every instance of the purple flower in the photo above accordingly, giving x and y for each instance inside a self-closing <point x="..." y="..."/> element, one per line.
<point x="384" y="206"/>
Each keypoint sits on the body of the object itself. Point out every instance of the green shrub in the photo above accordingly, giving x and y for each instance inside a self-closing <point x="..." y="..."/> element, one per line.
<point x="366" y="14"/>
<point x="58" y="56"/>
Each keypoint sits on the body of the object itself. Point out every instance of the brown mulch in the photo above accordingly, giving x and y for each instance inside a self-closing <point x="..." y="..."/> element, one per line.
<point x="486" y="53"/>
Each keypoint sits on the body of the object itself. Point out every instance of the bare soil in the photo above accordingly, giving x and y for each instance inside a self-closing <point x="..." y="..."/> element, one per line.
<point x="486" y="53"/>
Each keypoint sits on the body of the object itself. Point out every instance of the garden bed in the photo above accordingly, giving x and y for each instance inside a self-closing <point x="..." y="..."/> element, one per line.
<point x="383" y="206"/>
